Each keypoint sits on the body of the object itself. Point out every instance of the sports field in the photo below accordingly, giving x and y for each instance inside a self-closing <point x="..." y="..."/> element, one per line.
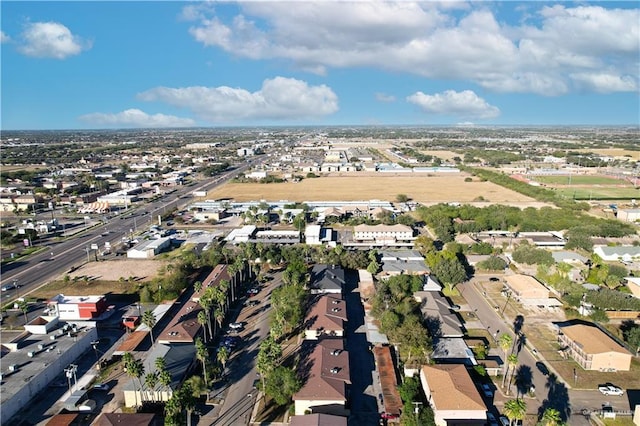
<point x="599" y="193"/>
<point x="581" y="180"/>
<point x="424" y="189"/>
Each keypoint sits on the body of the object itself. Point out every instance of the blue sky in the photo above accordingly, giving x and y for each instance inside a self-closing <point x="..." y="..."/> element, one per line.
<point x="83" y="65"/>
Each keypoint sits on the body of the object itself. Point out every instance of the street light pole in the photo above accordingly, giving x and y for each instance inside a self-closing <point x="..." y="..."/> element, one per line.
<point x="87" y="250"/>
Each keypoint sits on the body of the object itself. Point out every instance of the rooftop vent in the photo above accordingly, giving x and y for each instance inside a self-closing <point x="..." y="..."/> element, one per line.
<point x="13" y="368"/>
<point x="335" y="370"/>
<point x="335" y="301"/>
<point x="336" y="352"/>
<point x="335" y="310"/>
<point x="31" y="354"/>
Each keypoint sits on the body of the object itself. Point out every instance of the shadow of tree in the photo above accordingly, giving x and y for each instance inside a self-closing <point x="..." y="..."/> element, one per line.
<point x="523" y="379"/>
<point x="557" y="398"/>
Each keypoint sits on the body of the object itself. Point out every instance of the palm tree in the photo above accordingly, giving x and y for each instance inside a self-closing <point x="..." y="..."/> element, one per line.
<point x="135" y="370"/>
<point x="172" y="410"/>
<point x="202" y="320"/>
<point x="218" y="314"/>
<point x="188" y="400"/>
<point x="206" y="301"/>
<point x="197" y="286"/>
<point x="551" y="417"/>
<point x="24" y="307"/>
<point x="164" y="378"/>
<point x="505" y="341"/>
<point x="515" y="409"/>
<point x="149" y="319"/>
<point x="512" y="360"/>
<point x="203" y="355"/>
<point x="150" y="381"/>
<point x="223" y="355"/>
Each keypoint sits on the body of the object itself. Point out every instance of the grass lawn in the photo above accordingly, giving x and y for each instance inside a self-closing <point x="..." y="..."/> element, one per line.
<point x="581" y="180"/>
<point x="599" y="193"/>
<point x="619" y="421"/>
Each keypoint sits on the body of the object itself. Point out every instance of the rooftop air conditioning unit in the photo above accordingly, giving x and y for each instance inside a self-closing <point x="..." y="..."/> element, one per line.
<point x="13" y="368"/>
<point x="52" y="337"/>
<point x="40" y="347"/>
<point x="31" y="354"/>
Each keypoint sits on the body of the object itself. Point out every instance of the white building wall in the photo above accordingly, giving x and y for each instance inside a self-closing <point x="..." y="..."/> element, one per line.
<point x="307" y="406"/>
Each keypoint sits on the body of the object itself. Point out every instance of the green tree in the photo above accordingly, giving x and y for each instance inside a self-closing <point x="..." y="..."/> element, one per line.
<point x="269" y="356"/>
<point x="512" y="360"/>
<point x="149" y="319"/>
<point x="202" y="320"/>
<point x="632" y="336"/>
<point x="135" y="370"/>
<point x="150" y="381"/>
<point x="450" y="272"/>
<point x="492" y="263"/>
<point x="281" y="384"/>
<point x="373" y="267"/>
<point x="402" y="198"/>
<point x="24" y="307"/>
<point x="515" y="409"/>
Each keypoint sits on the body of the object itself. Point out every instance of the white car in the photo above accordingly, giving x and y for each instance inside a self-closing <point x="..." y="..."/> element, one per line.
<point x="610" y="390"/>
<point x="236" y="326"/>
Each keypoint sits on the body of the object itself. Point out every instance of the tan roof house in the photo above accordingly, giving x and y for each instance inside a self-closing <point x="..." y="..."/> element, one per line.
<point x="326" y="317"/>
<point x="452" y="395"/>
<point x="593" y="349"/>
<point x="526" y="288"/>
<point x="326" y="369"/>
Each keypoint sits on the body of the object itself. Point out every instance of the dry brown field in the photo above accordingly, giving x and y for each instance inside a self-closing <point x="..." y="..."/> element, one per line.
<point x="372" y="186"/>
<point x="445" y="155"/>
<point x="614" y="152"/>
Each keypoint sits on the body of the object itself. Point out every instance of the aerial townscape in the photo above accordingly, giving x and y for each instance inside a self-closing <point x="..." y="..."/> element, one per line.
<point x="320" y="213"/>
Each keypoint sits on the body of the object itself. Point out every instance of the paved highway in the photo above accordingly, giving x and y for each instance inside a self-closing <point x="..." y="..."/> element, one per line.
<point x="38" y="269"/>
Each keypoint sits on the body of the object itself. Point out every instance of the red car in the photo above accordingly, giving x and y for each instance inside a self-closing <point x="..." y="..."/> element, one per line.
<point x="389" y="416"/>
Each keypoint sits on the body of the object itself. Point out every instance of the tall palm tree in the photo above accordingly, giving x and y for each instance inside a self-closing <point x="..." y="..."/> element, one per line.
<point x="164" y="378"/>
<point x="203" y="355"/>
<point x="223" y="356"/>
<point x="505" y="341"/>
<point x="202" y="320"/>
<point x="149" y="319"/>
<point x="515" y="409"/>
<point x="206" y="301"/>
<point x="188" y="400"/>
<point x="218" y="314"/>
<point x="135" y="370"/>
<point x="197" y="286"/>
<point x="150" y="381"/>
<point x="512" y="360"/>
<point x="551" y="417"/>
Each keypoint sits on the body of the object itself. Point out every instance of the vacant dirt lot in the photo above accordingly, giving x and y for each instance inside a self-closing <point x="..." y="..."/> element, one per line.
<point x="112" y="270"/>
<point x="425" y="189"/>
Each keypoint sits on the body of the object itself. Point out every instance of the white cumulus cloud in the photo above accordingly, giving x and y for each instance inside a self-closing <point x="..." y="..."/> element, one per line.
<point x="382" y="97"/>
<point x="4" y="38"/>
<point x="536" y="54"/>
<point x="465" y="104"/>
<point x="51" y="40"/>
<point x="136" y="118"/>
<point x="279" y="98"/>
<point x="605" y="83"/>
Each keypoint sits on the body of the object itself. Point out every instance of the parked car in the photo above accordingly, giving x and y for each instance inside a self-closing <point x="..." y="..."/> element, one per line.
<point x="542" y="367"/>
<point x="455" y="307"/>
<point x="236" y="326"/>
<point x="609" y="389"/>
<point x="253" y="291"/>
<point x="491" y="419"/>
<point x="389" y="416"/>
<point x="504" y="421"/>
<point x="486" y="390"/>
<point x="101" y="387"/>
<point x="253" y="302"/>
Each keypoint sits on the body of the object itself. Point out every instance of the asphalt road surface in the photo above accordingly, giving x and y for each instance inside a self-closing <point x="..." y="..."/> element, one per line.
<point x="36" y="270"/>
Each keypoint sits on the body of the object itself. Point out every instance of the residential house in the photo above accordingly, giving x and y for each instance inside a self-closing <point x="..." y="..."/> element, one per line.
<point x="383" y="235"/>
<point x="326" y="317"/>
<point x="570" y="257"/>
<point x="452" y="350"/>
<point x="592" y="348"/>
<point x="397" y="262"/>
<point x="326" y="279"/>
<point x="440" y="320"/>
<point x="325" y="365"/>
<point x="633" y="284"/>
<point x="184" y="327"/>
<point x="452" y="395"/>
<point x="529" y="291"/>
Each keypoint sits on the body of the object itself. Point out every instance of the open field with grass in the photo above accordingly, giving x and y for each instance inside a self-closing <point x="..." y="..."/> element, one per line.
<point x="613" y="152"/>
<point x="581" y="180"/>
<point x="445" y="155"/>
<point x="600" y="193"/>
<point x="425" y="189"/>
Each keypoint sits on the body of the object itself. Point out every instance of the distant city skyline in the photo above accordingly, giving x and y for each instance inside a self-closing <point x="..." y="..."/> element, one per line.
<point x="109" y="65"/>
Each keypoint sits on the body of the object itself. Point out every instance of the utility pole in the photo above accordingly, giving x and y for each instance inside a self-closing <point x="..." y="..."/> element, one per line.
<point x="416" y="410"/>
